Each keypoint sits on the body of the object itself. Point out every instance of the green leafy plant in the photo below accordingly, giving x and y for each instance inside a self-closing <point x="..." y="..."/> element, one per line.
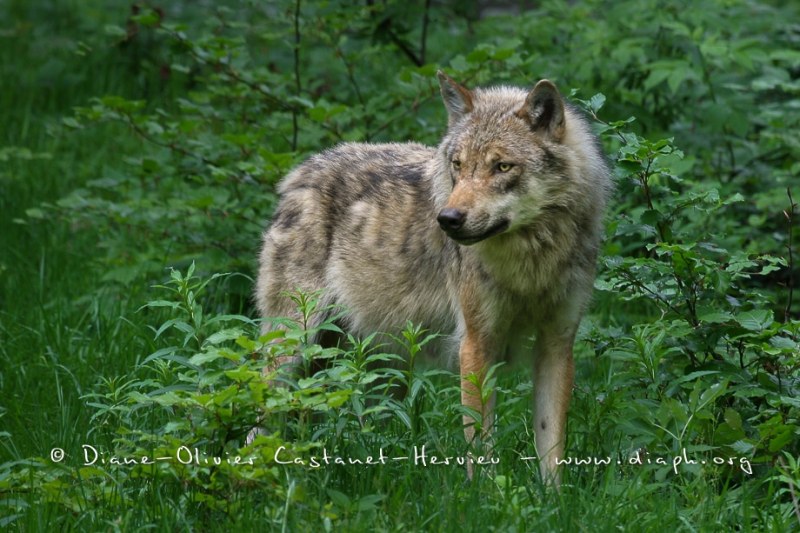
<point x="714" y="332"/>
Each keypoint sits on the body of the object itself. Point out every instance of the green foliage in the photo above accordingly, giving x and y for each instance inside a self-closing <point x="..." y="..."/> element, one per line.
<point x="145" y="138"/>
<point x="181" y="417"/>
<point x="716" y="340"/>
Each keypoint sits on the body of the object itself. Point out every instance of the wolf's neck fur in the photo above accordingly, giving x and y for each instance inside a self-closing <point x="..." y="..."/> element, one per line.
<point x="524" y="261"/>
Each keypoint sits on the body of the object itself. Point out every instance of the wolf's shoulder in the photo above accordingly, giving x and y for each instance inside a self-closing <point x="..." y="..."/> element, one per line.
<point x="377" y="153"/>
<point x="355" y="166"/>
<point x="351" y="162"/>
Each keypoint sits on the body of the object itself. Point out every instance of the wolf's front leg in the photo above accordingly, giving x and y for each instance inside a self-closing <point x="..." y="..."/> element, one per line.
<point x="554" y="371"/>
<point x="474" y="361"/>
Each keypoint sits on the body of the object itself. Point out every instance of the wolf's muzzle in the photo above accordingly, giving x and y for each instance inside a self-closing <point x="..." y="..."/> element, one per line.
<point x="451" y="219"/>
<point x="452" y="222"/>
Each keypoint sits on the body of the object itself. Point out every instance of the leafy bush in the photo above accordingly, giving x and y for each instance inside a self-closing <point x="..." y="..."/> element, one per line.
<point x="716" y="336"/>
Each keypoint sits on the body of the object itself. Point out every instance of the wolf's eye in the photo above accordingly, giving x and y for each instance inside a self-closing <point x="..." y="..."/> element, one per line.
<point x="456" y="164"/>
<point x="504" y="167"/>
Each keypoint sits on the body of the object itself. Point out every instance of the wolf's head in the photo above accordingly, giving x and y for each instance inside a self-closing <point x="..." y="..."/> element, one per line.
<point x="506" y="158"/>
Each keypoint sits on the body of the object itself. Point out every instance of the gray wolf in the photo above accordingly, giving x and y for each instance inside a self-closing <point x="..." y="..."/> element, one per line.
<point x="491" y="236"/>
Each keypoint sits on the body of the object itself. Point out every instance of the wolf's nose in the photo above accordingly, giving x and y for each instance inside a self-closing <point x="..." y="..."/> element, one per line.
<point x="451" y="219"/>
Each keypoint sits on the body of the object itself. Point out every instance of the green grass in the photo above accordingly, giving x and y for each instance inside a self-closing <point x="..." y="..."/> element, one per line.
<point x="58" y="332"/>
<point x="73" y="345"/>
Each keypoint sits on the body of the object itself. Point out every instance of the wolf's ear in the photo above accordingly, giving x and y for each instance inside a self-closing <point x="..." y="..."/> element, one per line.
<point x="457" y="99"/>
<point x="544" y="109"/>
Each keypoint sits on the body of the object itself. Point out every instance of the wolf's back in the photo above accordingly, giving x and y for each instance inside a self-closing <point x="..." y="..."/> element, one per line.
<point x="358" y="221"/>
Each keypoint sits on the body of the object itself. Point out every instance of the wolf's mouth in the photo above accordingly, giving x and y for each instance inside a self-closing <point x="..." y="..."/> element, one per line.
<point x="468" y="240"/>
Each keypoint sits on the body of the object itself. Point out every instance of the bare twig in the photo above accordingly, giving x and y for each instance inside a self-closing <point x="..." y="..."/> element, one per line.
<point x="352" y="79"/>
<point x="298" y="87"/>
<point x="402" y="45"/>
<point x="431" y="95"/>
<point x="424" y="37"/>
<point x="417" y="59"/>
<point x="789" y="214"/>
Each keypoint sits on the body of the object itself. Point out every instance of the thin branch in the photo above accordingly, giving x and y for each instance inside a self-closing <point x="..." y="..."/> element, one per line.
<point x="169" y="146"/>
<point x="385" y="26"/>
<point x="424" y="37"/>
<point x="635" y="282"/>
<point x="790" y="226"/>
<point x="352" y="79"/>
<point x="298" y="87"/>
<point x="403" y="46"/>
<point x="603" y="122"/>
<point x="424" y="100"/>
<point x="227" y="70"/>
<point x="258" y="87"/>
